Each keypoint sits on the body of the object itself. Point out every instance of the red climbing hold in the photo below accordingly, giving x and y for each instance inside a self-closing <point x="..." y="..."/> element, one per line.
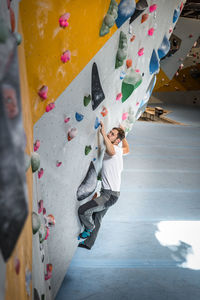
<point x="44" y="211"/>
<point x="66" y="56"/>
<point x="141" y="52"/>
<point x="40" y="173"/>
<point x="63" y="21"/>
<point x="40" y="206"/>
<point x="58" y="163"/>
<point x="181" y="6"/>
<point x="66" y="120"/>
<point x="50" y="106"/>
<point x="36" y="145"/>
<point x="49" y="271"/>
<point x="152" y="8"/>
<point x="151" y="31"/>
<point x="129" y="63"/>
<point x="51" y="220"/>
<point x="190" y="36"/>
<point x="12" y="19"/>
<point x="132" y="38"/>
<point x="170" y="29"/>
<point x="43" y="92"/>
<point x="17" y="265"/>
<point x="104" y="112"/>
<point x="144" y="18"/>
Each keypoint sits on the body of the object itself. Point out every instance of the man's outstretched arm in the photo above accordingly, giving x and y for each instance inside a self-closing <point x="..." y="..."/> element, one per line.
<point x="109" y="146"/>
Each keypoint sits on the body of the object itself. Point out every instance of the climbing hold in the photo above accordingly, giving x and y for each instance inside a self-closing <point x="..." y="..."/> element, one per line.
<point x="97" y="123"/>
<point x="51" y="220"/>
<point x="132" y="38"/>
<point x="72" y="133"/>
<point x="152" y="8"/>
<point x="47" y="233"/>
<point x="17" y="265"/>
<point x="141" y="5"/>
<point x="190" y="36"/>
<point x="128" y="63"/>
<point x="109" y="18"/>
<point x="8" y="3"/>
<point x="130" y="82"/>
<point x="44" y="211"/>
<point x="40" y="173"/>
<point x="154" y="63"/>
<point x="66" y="120"/>
<point x="104" y="111"/>
<point x="36" y="223"/>
<point x="28" y="278"/>
<point x="35" y="161"/>
<point x="49" y="271"/>
<point x="137" y="103"/>
<point x="151" y="31"/>
<point x="40" y="206"/>
<point x="18" y="38"/>
<point x="36" y="145"/>
<point x="122" y="50"/>
<point x="181" y="6"/>
<point x="79" y="117"/>
<point x="97" y="91"/>
<point x="177" y="73"/>
<point x="63" y="20"/>
<point x="42" y="233"/>
<point x="88" y="185"/>
<point x="50" y="106"/>
<point x="36" y="294"/>
<point x="141" y="52"/>
<point x="144" y="18"/>
<point x="66" y="56"/>
<point x="43" y="92"/>
<point x="138" y="71"/>
<point x="87" y="149"/>
<point x="27" y="159"/>
<point x="151" y="86"/>
<point x="4" y="31"/>
<point x="176" y="15"/>
<point x="12" y="19"/>
<point x="164" y="47"/>
<point x="94" y="159"/>
<point x="170" y="29"/>
<point x="126" y="9"/>
<point x="122" y="74"/>
<point x="119" y="96"/>
<point x="58" y="163"/>
<point x="86" y="100"/>
<point x="124" y="116"/>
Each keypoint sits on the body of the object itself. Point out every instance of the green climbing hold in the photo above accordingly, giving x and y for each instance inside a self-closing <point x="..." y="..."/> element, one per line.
<point x="86" y="100"/>
<point x="36" y="223"/>
<point x="18" y="38"/>
<point x="42" y="233"/>
<point x="87" y="149"/>
<point x="27" y="159"/>
<point x="122" y="50"/>
<point x="35" y="161"/>
<point x="130" y="82"/>
<point x="4" y="32"/>
<point x="109" y="19"/>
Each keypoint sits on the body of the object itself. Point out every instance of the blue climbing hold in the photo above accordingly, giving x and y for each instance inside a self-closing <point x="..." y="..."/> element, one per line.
<point x="154" y="63"/>
<point x="97" y="123"/>
<point x="164" y="47"/>
<point x="79" y="117"/>
<point x="126" y="9"/>
<point x="176" y="14"/>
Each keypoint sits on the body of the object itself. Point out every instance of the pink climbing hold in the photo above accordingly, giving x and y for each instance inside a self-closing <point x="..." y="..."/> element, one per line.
<point x="36" y="145"/>
<point x="58" y="163"/>
<point x="40" y="206"/>
<point x="170" y="30"/>
<point x="141" y="52"/>
<point x="50" y="106"/>
<point x="49" y="271"/>
<point x="152" y="8"/>
<point x="40" y="173"/>
<point x="181" y="6"/>
<point x="43" y="92"/>
<point x="151" y="31"/>
<point x="63" y="21"/>
<point x="137" y="103"/>
<point x="17" y="265"/>
<point x="47" y="234"/>
<point x="124" y="116"/>
<point x="66" y="120"/>
<point x="119" y="96"/>
<point x="44" y="211"/>
<point x="137" y="70"/>
<point x="66" y="56"/>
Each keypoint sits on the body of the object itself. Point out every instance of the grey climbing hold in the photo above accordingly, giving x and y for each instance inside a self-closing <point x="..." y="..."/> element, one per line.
<point x="89" y="183"/>
<point x="35" y="161"/>
<point x="36" y="223"/>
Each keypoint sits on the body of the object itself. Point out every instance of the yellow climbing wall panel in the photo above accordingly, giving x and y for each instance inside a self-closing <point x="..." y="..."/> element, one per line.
<point x="45" y="41"/>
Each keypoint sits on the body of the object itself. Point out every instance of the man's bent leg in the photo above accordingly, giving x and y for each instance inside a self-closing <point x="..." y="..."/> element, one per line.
<point x="89" y="242"/>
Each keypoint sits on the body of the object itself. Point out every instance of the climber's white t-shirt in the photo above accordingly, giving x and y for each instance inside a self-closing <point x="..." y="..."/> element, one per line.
<point x="111" y="170"/>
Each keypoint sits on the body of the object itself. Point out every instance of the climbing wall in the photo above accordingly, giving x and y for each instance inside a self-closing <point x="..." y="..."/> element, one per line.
<point x="82" y="68"/>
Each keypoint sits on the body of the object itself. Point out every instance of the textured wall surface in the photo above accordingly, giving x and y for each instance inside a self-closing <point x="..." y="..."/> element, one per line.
<point x="58" y="186"/>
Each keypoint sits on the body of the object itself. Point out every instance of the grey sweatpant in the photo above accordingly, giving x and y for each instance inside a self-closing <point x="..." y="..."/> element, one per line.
<point x="92" y="212"/>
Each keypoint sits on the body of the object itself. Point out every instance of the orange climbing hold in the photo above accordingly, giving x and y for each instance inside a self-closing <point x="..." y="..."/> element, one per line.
<point x="49" y="271"/>
<point x="129" y="63"/>
<point x="72" y="133"/>
<point x="144" y="18"/>
<point x="104" y="112"/>
<point x="132" y="38"/>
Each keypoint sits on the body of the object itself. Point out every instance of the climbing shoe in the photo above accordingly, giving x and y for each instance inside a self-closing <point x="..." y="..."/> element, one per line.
<point x="85" y="234"/>
<point x="82" y="245"/>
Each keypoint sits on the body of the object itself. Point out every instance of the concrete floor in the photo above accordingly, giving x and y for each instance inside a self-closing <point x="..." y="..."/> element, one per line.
<point x="149" y="243"/>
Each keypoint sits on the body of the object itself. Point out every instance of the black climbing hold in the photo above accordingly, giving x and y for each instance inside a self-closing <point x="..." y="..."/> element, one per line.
<point x="141" y="5"/>
<point x="36" y="294"/>
<point x="89" y="183"/>
<point x="97" y="91"/>
<point x="142" y="74"/>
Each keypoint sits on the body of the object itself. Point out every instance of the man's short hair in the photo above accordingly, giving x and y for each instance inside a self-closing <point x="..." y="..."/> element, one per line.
<point x="121" y="133"/>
